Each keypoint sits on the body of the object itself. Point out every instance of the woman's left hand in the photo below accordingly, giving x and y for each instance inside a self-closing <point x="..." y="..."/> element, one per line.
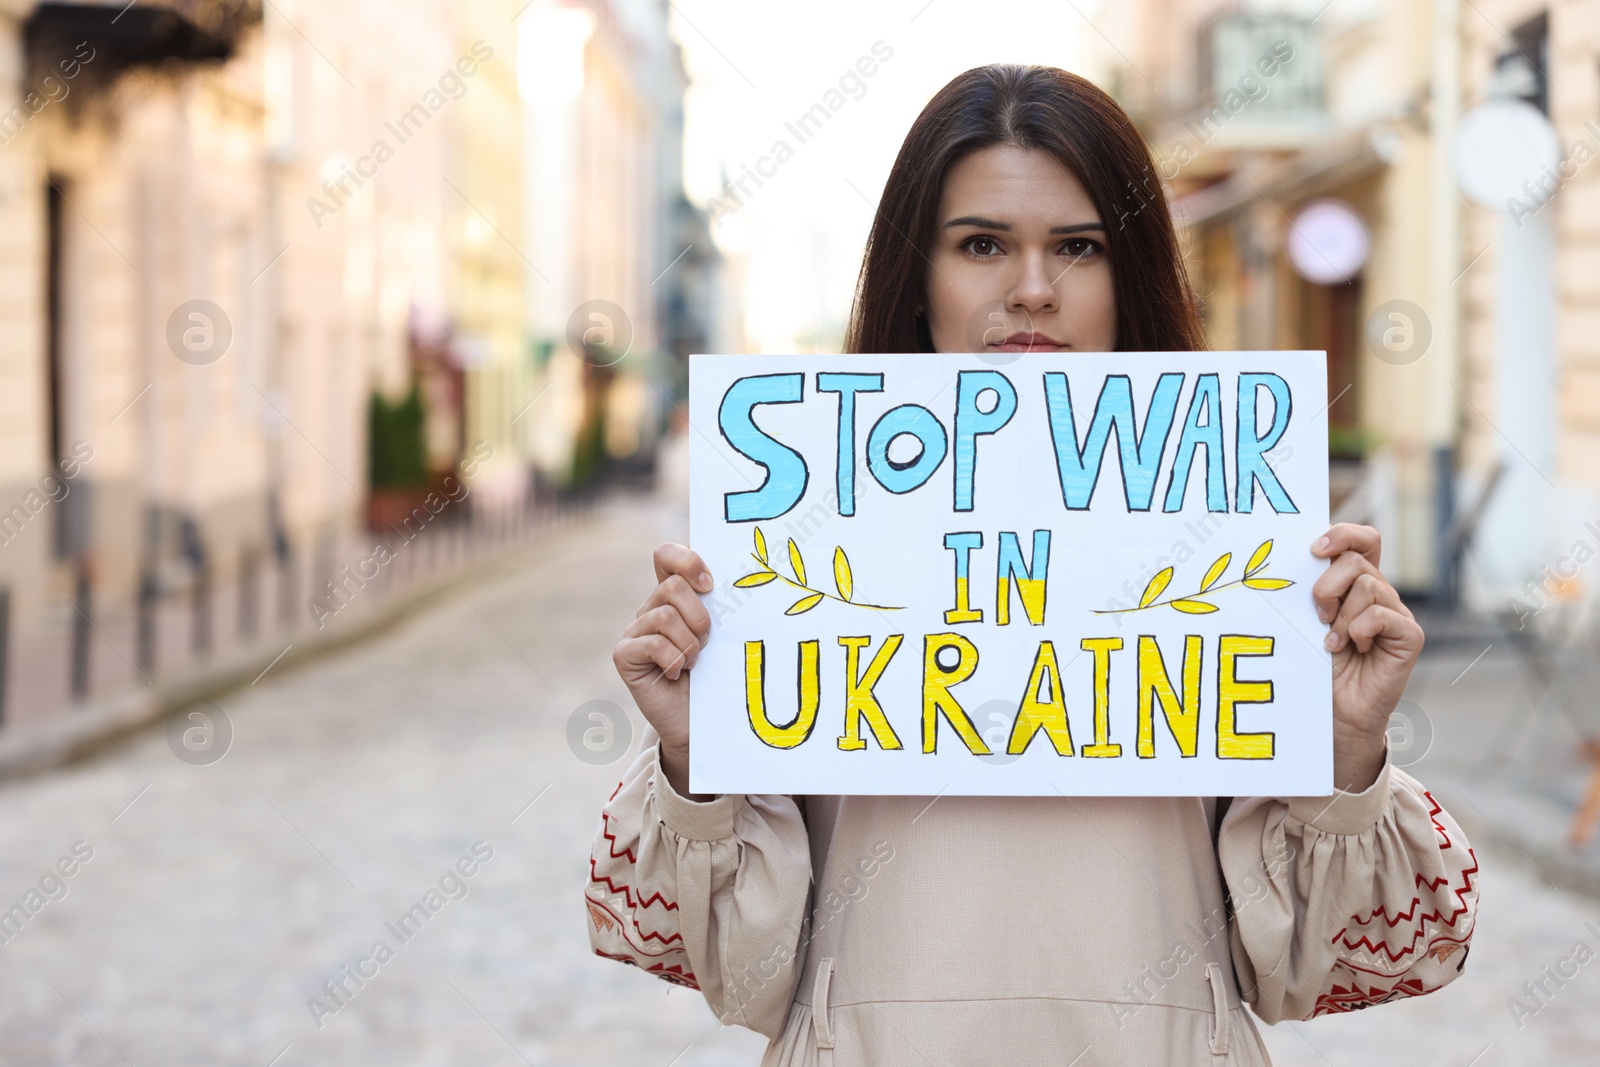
<point x="1375" y="642"/>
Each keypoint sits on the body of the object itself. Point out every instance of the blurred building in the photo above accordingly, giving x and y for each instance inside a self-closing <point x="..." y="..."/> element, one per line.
<point x="484" y="286"/>
<point x="625" y="262"/>
<point x="227" y="227"/>
<point x="151" y="378"/>
<point x="1531" y="308"/>
<point x="1309" y="146"/>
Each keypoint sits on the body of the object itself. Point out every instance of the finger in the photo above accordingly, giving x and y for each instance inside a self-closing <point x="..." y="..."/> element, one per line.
<point x="635" y="655"/>
<point x="1380" y="624"/>
<point x="675" y="592"/>
<point x="666" y="621"/>
<point x="1364" y="592"/>
<point x="640" y="658"/>
<point x="1349" y="537"/>
<point x="671" y="558"/>
<point x="1330" y="589"/>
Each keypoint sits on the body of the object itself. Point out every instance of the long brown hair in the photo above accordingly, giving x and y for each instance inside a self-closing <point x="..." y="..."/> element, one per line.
<point x="1078" y="124"/>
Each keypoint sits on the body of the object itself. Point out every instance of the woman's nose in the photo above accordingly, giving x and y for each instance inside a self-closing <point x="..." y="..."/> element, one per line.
<point x="1033" y="289"/>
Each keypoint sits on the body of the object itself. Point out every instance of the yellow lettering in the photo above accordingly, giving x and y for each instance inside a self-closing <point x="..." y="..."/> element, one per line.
<point x="936" y="697"/>
<point x="859" y="700"/>
<point x="1030" y="590"/>
<point x="1048" y="713"/>
<point x="1183" y="719"/>
<point x="963" y="611"/>
<point x="1232" y="692"/>
<point x="1102" y="647"/>
<point x="755" y="684"/>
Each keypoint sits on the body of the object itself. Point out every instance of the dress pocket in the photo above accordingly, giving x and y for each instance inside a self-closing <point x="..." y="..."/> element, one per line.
<point x="1221" y="1018"/>
<point x="821" y="1020"/>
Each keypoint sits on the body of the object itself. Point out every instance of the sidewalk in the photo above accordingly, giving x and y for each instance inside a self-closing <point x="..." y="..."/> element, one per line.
<point x="76" y="732"/>
<point x="1501" y="756"/>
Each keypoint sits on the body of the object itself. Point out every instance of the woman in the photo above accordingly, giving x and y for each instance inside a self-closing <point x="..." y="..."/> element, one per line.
<point x="891" y="930"/>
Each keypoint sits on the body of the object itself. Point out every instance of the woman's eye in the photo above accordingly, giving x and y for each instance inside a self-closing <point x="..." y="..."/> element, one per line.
<point x="982" y="247"/>
<point x="1080" y="247"/>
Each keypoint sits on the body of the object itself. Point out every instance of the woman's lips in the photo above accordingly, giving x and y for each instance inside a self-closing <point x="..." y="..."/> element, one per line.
<point x="1030" y="342"/>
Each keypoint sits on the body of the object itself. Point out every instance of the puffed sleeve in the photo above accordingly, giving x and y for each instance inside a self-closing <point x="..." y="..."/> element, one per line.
<point x="710" y="895"/>
<point x="1346" y="901"/>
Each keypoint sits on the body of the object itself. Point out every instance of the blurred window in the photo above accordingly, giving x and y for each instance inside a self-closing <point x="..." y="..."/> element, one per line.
<point x="1237" y="51"/>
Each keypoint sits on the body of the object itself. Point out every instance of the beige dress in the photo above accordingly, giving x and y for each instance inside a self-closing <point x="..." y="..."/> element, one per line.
<point x="903" y="931"/>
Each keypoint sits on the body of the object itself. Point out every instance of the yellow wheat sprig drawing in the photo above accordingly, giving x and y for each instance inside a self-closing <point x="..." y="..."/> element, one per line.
<point x="1191" y="604"/>
<point x="843" y="580"/>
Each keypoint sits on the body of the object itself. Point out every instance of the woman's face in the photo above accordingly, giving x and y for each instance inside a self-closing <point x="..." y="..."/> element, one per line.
<point x="1019" y="260"/>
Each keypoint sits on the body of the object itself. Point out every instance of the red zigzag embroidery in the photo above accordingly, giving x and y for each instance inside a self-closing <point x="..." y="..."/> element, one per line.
<point x="634" y="903"/>
<point x="1410" y="913"/>
<point x="675" y="974"/>
<point x="647" y="935"/>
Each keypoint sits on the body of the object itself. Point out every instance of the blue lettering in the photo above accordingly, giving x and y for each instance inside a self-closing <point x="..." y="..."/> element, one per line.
<point x="920" y="423"/>
<point x="970" y="422"/>
<point x="787" y="474"/>
<point x="847" y="386"/>
<point x="1251" y="466"/>
<point x="1140" y="454"/>
<point x="1207" y="401"/>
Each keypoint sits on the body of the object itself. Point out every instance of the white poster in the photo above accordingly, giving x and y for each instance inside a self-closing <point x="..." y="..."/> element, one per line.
<point x="1013" y="574"/>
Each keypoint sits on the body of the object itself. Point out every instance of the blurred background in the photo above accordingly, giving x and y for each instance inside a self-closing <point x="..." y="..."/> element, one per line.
<point x="344" y="348"/>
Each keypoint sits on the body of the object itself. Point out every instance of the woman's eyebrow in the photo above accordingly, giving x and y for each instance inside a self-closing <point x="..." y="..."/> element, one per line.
<point x="978" y="220"/>
<point x="995" y="224"/>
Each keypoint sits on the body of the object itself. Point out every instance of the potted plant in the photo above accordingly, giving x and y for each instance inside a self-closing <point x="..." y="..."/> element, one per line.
<point x="397" y="470"/>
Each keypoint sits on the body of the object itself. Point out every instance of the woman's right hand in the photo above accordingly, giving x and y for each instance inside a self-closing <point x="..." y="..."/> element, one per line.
<point x="660" y="646"/>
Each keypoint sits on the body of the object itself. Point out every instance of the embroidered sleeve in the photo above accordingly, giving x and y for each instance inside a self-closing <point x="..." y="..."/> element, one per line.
<point x="1347" y="901"/>
<point x="709" y="895"/>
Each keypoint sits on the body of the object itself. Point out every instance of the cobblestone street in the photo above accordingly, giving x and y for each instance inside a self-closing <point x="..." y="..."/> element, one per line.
<point x="208" y="904"/>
